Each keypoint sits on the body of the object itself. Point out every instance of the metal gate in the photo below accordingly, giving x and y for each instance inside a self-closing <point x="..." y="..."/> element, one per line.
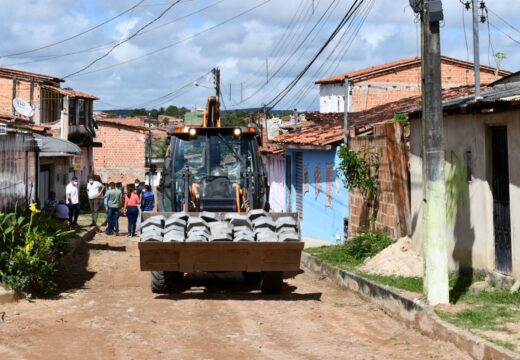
<point x="299" y="184"/>
<point x="501" y="213"/>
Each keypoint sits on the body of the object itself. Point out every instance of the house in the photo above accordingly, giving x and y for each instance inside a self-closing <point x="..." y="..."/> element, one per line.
<point x="381" y="84"/>
<point x="482" y="150"/>
<point x="18" y="164"/>
<point x="127" y="152"/>
<point x="313" y="187"/>
<point x="66" y="113"/>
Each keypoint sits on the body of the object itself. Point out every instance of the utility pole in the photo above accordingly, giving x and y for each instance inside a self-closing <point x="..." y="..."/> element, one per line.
<point x="346" y="85"/>
<point x="476" y="49"/>
<point x="434" y="189"/>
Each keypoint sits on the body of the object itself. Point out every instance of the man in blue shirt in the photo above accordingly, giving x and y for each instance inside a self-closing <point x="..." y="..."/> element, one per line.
<point x="148" y="199"/>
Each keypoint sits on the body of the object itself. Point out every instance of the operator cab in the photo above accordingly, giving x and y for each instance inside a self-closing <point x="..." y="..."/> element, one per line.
<point x="213" y="169"/>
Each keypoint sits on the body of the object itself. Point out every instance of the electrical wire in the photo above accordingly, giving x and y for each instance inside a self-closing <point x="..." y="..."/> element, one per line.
<point x="176" y="42"/>
<point x="279" y="97"/>
<point x="45" y="58"/>
<point x="74" y="36"/>
<point x="124" y="41"/>
<point x="503" y="20"/>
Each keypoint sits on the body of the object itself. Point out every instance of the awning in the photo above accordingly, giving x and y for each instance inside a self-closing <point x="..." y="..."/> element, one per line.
<point x="51" y="147"/>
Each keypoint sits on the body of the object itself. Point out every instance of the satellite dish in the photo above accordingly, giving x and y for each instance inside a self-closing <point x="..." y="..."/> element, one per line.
<point x="22" y="107"/>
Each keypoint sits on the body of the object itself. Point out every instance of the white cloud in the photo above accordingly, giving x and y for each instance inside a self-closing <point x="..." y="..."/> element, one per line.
<point x="239" y="47"/>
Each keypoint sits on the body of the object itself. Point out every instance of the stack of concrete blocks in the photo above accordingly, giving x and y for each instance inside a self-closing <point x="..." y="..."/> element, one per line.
<point x="198" y="229"/>
<point x="287" y="230"/>
<point x="255" y="226"/>
<point x="175" y="227"/>
<point x="242" y="227"/>
<point x="152" y="229"/>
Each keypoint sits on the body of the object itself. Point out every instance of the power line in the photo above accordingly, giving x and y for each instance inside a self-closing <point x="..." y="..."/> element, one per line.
<point x="177" y="42"/>
<point x="108" y="44"/>
<point x="355" y="6"/>
<point x="124" y="41"/>
<point x="74" y="36"/>
<point x="505" y="22"/>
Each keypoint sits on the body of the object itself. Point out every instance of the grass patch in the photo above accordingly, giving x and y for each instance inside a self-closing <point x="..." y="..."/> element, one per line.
<point x="412" y="284"/>
<point x="336" y="255"/>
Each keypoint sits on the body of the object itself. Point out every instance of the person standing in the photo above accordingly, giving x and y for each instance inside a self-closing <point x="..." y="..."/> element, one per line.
<point x="148" y="199"/>
<point x="72" y="194"/>
<point x="114" y="205"/>
<point x="139" y="189"/>
<point x="131" y="209"/>
<point x="94" y="191"/>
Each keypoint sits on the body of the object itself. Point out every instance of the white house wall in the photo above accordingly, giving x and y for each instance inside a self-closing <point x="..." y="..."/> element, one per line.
<point x="471" y="234"/>
<point x="331" y="98"/>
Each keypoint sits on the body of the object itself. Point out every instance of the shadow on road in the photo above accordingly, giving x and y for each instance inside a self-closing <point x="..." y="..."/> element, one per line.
<point x="74" y="273"/>
<point x="231" y="286"/>
<point x="106" y="247"/>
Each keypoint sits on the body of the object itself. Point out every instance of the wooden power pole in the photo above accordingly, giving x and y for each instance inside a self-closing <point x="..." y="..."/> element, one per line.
<point x="434" y="190"/>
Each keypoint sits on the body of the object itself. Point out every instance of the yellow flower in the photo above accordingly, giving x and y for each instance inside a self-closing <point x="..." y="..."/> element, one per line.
<point x="29" y="246"/>
<point x="33" y="208"/>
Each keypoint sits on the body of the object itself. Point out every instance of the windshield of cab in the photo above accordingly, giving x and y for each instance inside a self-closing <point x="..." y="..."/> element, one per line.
<point x="214" y="155"/>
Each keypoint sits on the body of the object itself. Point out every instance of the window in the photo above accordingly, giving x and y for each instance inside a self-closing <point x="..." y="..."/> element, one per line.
<point x="82" y="109"/>
<point x="72" y="111"/>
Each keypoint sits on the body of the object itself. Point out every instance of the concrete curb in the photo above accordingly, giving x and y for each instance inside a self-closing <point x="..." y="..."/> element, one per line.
<point x="89" y="235"/>
<point x="412" y="312"/>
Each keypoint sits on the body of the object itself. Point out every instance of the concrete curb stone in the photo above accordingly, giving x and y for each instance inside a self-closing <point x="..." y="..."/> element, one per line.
<point x="412" y="312"/>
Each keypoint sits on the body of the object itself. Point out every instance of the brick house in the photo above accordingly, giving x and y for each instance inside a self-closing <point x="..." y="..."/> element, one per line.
<point x="66" y="113"/>
<point x="392" y="81"/>
<point x="482" y="153"/>
<point x="124" y="155"/>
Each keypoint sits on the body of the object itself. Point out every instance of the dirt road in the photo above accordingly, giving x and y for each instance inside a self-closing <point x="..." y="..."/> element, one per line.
<point x="107" y="311"/>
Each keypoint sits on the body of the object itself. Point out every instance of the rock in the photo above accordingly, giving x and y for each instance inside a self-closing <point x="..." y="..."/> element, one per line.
<point x="257" y="213"/>
<point x="479" y="286"/>
<point x="516" y="286"/>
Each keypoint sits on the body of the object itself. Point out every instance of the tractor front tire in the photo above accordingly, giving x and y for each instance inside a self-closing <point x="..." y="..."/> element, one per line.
<point x="164" y="282"/>
<point x="272" y="282"/>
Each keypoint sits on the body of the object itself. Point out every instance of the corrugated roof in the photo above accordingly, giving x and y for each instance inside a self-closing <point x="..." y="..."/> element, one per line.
<point x="72" y="92"/>
<point x="29" y="75"/>
<point x="398" y="64"/>
<point x="327" y="128"/>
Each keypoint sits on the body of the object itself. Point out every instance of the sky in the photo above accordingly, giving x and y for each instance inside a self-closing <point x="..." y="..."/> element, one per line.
<point x="169" y="62"/>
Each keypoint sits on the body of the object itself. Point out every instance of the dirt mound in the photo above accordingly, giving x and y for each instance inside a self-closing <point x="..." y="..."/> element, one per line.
<point x="397" y="259"/>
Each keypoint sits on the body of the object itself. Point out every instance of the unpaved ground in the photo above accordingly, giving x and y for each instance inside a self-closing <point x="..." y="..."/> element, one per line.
<point x="107" y="311"/>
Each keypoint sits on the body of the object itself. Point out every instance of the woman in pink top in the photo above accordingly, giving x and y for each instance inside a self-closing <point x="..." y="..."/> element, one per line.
<point x="131" y="208"/>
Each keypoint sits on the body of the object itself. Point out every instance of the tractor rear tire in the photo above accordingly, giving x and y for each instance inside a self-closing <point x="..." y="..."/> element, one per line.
<point x="164" y="282"/>
<point x="272" y="282"/>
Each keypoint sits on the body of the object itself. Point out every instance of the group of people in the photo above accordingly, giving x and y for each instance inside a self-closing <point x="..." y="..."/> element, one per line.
<point x="138" y="198"/>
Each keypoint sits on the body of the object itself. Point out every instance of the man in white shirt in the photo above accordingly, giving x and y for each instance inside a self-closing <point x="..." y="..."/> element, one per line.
<point x="72" y="193"/>
<point x="95" y="194"/>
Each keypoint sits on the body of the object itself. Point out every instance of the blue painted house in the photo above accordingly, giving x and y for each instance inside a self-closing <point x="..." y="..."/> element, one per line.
<point x="313" y="186"/>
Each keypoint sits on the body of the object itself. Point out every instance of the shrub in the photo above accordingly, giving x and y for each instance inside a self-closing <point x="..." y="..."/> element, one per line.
<point x="32" y="247"/>
<point x="366" y="244"/>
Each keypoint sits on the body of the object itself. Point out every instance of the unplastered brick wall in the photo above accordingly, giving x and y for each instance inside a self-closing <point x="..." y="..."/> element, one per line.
<point x="401" y="83"/>
<point x="122" y="156"/>
<point x="393" y="215"/>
